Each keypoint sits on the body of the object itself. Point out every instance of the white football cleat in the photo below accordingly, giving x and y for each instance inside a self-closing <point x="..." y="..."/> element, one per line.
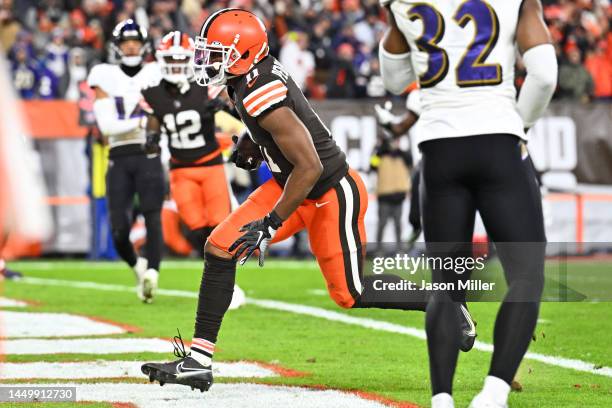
<point x="149" y="285"/>
<point x="139" y="270"/>
<point x="238" y="298"/>
<point x="483" y="401"/>
<point x="494" y="394"/>
<point x="442" y="400"/>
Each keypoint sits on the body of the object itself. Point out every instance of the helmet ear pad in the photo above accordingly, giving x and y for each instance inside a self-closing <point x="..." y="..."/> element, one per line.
<point x="242" y="65"/>
<point x="246" y="61"/>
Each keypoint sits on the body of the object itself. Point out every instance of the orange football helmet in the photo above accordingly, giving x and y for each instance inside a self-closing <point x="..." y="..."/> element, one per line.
<point x="231" y="42"/>
<point x="174" y="55"/>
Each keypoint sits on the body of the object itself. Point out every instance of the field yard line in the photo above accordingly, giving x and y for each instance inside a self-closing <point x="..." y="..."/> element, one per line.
<point x="116" y="369"/>
<point x="321" y="313"/>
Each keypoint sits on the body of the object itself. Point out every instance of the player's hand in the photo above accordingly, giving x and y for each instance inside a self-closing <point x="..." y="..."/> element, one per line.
<point x="246" y="153"/>
<point x="217" y="104"/>
<point x="257" y="236"/>
<point x="152" y="144"/>
<point x="384" y="116"/>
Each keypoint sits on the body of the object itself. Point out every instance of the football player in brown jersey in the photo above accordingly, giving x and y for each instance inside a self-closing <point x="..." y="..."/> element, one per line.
<point x="312" y="188"/>
<point x="184" y="111"/>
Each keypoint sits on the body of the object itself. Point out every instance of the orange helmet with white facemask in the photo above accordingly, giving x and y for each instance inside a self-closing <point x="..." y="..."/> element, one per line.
<point x="174" y="55"/>
<point x="231" y="42"/>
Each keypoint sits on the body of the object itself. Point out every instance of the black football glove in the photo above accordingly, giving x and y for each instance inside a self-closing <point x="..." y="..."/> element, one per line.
<point x="245" y="154"/>
<point x="152" y="144"/>
<point x="257" y="236"/>
<point x="216" y="105"/>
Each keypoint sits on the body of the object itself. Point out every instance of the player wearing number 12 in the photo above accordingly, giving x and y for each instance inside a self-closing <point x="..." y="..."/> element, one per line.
<point x="472" y="136"/>
<point x="185" y="113"/>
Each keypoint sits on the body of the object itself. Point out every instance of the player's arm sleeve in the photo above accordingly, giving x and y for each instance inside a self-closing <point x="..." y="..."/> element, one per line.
<point x="108" y="119"/>
<point x="271" y="94"/>
<point x="540" y="82"/>
<point x="396" y="70"/>
<point x="413" y="102"/>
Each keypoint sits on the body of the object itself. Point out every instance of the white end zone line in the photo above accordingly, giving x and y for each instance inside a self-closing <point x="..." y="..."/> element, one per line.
<point x="116" y="369"/>
<point x="321" y="313"/>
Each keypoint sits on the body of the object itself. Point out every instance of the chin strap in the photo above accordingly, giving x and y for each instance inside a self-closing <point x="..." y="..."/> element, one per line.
<point x="183" y="86"/>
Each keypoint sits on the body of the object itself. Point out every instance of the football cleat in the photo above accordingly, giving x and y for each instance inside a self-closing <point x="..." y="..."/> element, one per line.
<point x="149" y="285"/>
<point x="11" y="275"/>
<point x="185" y="371"/>
<point x="442" y="400"/>
<point x="468" y="329"/>
<point x="238" y="298"/>
<point x="139" y="271"/>
<point x="482" y="401"/>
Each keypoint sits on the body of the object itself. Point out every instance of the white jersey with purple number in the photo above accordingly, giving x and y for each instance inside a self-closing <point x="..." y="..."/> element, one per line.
<point x="125" y="90"/>
<point x="465" y="62"/>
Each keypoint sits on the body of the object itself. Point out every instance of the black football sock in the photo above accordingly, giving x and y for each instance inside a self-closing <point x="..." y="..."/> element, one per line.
<point x="215" y="296"/>
<point x="390" y="299"/>
<point x="442" y="324"/>
<point x="514" y="328"/>
<point x="518" y="314"/>
<point x="121" y="240"/>
<point x="154" y="243"/>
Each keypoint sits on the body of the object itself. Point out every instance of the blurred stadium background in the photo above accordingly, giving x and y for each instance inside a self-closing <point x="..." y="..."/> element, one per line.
<point x="330" y="48"/>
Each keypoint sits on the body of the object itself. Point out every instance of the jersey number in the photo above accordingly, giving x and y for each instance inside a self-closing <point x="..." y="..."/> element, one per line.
<point x="472" y="69"/>
<point x="137" y="112"/>
<point x="183" y="129"/>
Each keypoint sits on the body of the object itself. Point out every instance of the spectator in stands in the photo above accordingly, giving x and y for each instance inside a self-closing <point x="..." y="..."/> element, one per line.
<point x="48" y="83"/>
<point x="24" y="72"/>
<point x="332" y="27"/>
<point x="320" y="44"/>
<point x="375" y="87"/>
<point x="9" y="26"/>
<point x="296" y="58"/>
<point x="77" y="73"/>
<point x="599" y="64"/>
<point x="368" y="30"/>
<point x="55" y="58"/>
<point x="575" y="82"/>
<point x="342" y="79"/>
<point x="82" y="34"/>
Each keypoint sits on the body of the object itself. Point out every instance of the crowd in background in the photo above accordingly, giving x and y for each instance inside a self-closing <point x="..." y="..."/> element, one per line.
<point x="329" y="46"/>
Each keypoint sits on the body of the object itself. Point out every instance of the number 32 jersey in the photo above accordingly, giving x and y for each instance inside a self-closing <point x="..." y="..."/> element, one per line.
<point x="187" y="121"/>
<point x="465" y="62"/>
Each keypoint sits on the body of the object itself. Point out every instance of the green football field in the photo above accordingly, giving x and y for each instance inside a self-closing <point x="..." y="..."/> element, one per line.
<point x="290" y="322"/>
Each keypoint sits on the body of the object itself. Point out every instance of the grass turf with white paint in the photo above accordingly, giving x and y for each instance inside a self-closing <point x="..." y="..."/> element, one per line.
<point x="335" y="354"/>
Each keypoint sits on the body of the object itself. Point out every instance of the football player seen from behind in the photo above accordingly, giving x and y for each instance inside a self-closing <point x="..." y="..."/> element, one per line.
<point x="472" y="141"/>
<point x="131" y="172"/>
<point x="312" y="188"/>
